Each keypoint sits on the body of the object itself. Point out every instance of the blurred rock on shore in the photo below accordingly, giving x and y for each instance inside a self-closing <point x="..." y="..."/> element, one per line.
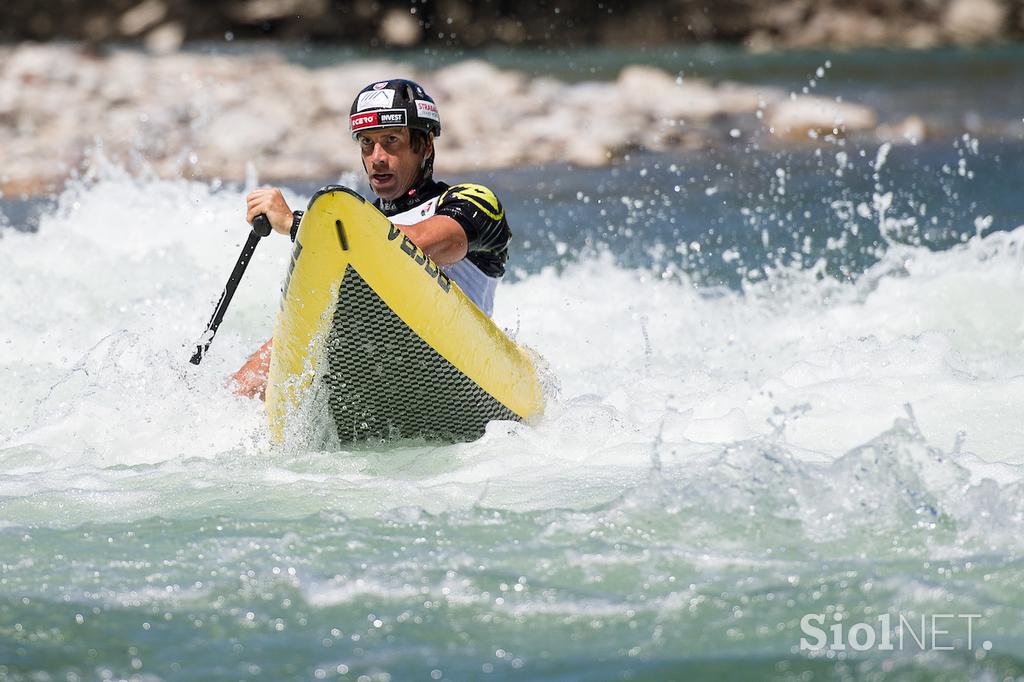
<point x="200" y="116"/>
<point x="164" y="24"/>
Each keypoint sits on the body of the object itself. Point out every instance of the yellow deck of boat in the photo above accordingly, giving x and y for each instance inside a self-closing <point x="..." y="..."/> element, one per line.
<point x="398" y="349"/>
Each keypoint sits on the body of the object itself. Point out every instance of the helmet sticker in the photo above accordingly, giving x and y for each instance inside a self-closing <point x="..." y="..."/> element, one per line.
<point x="360" y="121"/>
<point x="392" y="117"/>
<point x="380" y="86"/>
<point x="376" y="99"/>
<point x="425" y="109"/>
<point x="377" y="119"/>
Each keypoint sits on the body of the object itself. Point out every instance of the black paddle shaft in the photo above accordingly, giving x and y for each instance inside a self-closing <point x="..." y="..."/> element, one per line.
<point x="260" y="228"/>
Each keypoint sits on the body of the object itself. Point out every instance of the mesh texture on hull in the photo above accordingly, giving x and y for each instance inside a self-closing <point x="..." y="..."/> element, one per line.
<point x="384" y="382"/>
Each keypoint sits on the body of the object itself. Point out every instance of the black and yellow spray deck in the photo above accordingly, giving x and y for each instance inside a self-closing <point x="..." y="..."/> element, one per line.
<point x="398" y="349"/>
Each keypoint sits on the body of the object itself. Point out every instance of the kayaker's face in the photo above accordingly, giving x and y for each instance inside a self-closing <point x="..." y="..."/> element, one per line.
<point x="391" y="163"/>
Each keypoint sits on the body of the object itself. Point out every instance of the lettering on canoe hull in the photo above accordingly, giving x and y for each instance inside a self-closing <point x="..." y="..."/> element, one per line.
<point x="419" y="257"/>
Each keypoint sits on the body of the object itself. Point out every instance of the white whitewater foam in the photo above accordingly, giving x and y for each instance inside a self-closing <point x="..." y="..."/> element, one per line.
<point x="102" y="414"/>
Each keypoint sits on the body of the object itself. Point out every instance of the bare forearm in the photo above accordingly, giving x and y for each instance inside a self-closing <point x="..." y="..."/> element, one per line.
<point x="440" y="237"/>
<point x="251" y="378"/>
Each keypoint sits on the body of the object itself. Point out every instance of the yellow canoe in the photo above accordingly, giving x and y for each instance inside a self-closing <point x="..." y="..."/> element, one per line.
<point x="376" y="334"/>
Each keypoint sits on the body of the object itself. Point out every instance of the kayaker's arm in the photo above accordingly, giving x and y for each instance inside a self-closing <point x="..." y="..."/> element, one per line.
<point x="482" y="218"/>
<point x="251" y="379"/>
<point x="442" y="238"/>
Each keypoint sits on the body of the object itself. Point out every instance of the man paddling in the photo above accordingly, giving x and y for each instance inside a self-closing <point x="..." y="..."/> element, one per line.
<point x="462" y="227"/>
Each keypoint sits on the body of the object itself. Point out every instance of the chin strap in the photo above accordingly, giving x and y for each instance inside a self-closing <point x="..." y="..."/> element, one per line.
<point x="408" y="198"/>
<point x="426" y="173"/>
<point x="423" y="178"/>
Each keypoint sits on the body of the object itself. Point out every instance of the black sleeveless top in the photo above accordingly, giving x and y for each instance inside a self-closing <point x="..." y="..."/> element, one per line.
<point x="475" y="208"/>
